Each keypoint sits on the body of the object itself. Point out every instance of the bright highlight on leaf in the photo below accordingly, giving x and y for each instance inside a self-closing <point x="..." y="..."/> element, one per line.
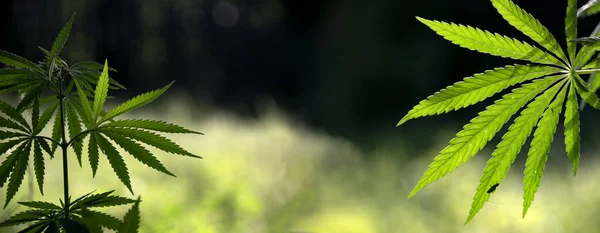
<point x="476" y="89"/>
<point x="529" y="25"/>
<point x="491" y="43"/>
<point x="479" y="131"/>
<point x="551" y="83"/>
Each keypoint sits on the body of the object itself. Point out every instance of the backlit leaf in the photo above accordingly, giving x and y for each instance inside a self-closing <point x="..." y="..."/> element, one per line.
<point x="572" y="140"/>
<point x="507" y="150"/>
<point x="475" y="89"/>
<point x="480" y="130"/>
<point x="490" y="43"/>
<point x="115" y="160"/>
<point x="101" y="91"/>
<point x="530" y="26"/>
<point x="540" y="146"/>
<point x="16" y="177"/>
<point x="135" y="102"/>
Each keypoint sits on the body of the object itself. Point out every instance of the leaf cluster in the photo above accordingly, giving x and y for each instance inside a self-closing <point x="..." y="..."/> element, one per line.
<point x="46" y="217"/>
<point x="74" y="96"/>
<point x="552" y="86"/>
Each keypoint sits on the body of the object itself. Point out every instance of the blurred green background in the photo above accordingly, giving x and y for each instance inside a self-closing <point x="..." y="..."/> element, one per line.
<point x="298" y="101"/>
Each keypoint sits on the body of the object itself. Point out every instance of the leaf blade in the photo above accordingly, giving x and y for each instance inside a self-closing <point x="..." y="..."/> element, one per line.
<point x="115" y="160"/>
<point x="571" y="124"/>
<point x="540" y="146"/>
<point x="101" y="91"/>
<point x="93" y="153"/>
<point x="571" y="29"/>
<point x="529" y="25"/>
<point x="487" y="42"/>
<point x="135" y="102"/>
<point x="74" y="129"/>
<point x="152" y="139"/>
<point x="13" y="60"/>
<point x="138" y="152"/>
<point x="60" y="40"/>
<point x="38" y="165"/>
<point x="131" y="221"/>
<point x="461" y="147"/>
<point x="16" y="177"/>
<point x="507" y="150"/>
<point x="155" y="125"/>
<point x="475" y="89"/>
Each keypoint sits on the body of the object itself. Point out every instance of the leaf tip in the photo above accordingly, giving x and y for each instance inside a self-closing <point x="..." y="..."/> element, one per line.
<point x="468" y="220"/>
<point x="413" y="192"/>
<point x="524" y="212"/>
<point x="402" y="121"/>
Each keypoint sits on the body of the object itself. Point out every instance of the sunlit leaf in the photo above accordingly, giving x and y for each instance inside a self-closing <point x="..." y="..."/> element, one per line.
<point x="101" y="91"/>
<point x="480" y="130"/>
<point x="530" y="26"/>
<point x="475" y="89"/>
<point x="540" y="146"/>
<point x="512" y="141"/>
<point x="490" y="43"/>
<point x="572" y="140"/>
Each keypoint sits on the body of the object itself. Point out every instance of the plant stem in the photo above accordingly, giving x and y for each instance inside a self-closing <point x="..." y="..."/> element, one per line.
<point x="64" y="148"/>
<point x="588" y="71"/>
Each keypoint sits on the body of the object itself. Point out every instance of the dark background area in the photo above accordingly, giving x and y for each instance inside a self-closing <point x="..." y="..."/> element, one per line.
<point x="352" y="68"/>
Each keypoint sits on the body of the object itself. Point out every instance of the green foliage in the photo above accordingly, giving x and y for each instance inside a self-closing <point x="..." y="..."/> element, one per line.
<point x="53" y="88"/>
<point x="555" y="79"/>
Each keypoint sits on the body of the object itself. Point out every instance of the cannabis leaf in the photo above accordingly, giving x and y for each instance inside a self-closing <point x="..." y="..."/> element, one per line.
<point x="131" y="222"/>
<point x="552" y="79"/>
<point x="75" y="95"/>
<point x="126" y="133"/>
<point x="80" y="218"/>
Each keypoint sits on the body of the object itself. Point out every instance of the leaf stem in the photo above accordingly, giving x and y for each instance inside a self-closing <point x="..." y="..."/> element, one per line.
<point x="49" y="139"/>
<point x="587" y="71"/>
<point x="79" y="135"/>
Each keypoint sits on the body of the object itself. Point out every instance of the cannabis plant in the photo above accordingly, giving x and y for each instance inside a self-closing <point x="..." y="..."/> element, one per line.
<point x="553" y="79"/>
<point x="75" y="96"/>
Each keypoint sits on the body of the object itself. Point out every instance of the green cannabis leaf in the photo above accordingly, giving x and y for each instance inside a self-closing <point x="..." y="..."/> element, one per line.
<point x="75" y="95"/>
<point x="554" y="79"/>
